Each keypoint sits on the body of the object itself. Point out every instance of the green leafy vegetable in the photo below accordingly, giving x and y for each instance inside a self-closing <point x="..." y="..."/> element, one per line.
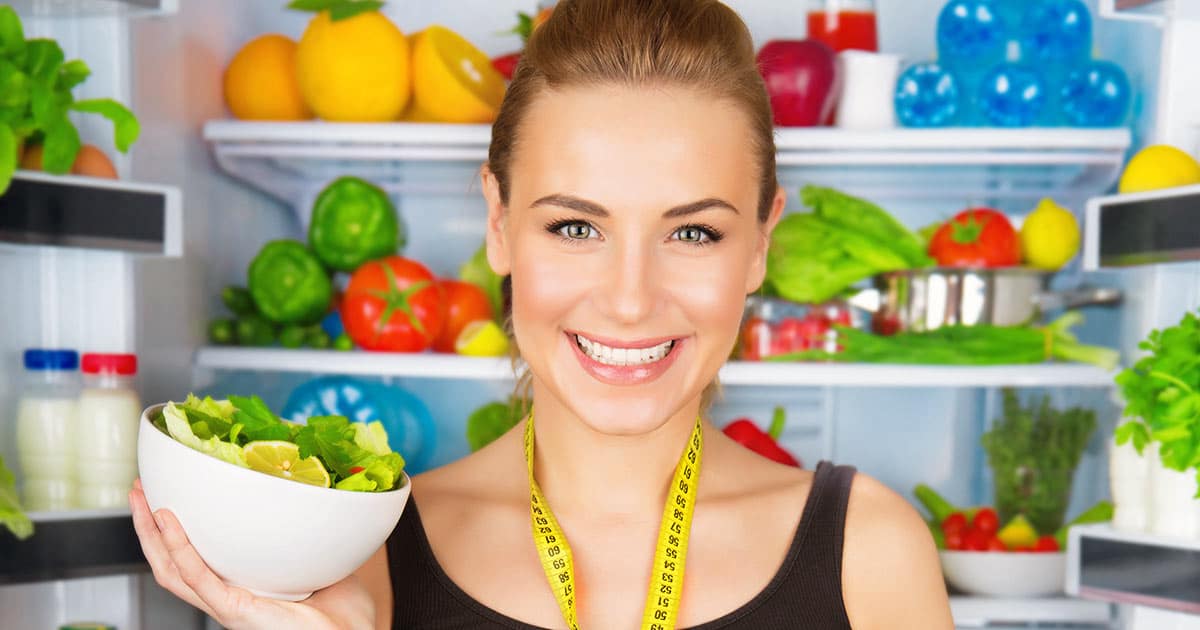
<point x="35" y="97"/>
<point x="1162" y="395"/>
<point x="258" y="423"/>
<point x="11" y="515"/>
<point x="816" y="256"/>
<point x="1033" y="452"/>
<point x="179" y="428"/>
<point x="338" y="9"/>
<point x="492" y="420"/>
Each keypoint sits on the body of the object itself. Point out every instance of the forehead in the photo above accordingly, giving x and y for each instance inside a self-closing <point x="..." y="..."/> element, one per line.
<point x="635" y="147"/>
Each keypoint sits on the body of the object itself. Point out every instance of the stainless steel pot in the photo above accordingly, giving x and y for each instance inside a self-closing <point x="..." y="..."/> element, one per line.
<point x="920" y="300"/>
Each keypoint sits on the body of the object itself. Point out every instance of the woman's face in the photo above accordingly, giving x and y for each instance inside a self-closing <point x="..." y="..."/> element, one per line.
<point x="632" y="237"/>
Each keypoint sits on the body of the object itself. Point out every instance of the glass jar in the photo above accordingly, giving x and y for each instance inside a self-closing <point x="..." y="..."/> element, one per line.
<point x="774" y="326"/>
<point x="844" y="24"/>
<point x="106" y="437"/>
<point x="46" y="424"/>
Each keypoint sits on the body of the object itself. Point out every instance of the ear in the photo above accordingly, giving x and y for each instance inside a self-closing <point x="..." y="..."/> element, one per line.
<point x="497" y="242"/>
<point x="758" y="267"/>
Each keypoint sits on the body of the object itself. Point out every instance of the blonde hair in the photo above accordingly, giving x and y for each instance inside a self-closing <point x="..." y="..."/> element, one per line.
<point x="695" y="44"/>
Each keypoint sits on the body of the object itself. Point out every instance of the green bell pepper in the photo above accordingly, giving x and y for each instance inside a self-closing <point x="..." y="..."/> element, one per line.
<point x="288" y="284"/>
<point x="353" y="221"/>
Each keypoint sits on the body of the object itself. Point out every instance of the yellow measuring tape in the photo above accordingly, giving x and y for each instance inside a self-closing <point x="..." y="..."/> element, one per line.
<point x="670" y="554"/>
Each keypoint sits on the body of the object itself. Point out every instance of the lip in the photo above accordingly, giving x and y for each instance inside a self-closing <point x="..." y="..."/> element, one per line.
<point x="639" y="344"/>
<point x="626" y="374"/>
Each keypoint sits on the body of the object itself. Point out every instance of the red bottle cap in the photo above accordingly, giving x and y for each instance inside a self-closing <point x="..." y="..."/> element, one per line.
<point x="122" y="364"/>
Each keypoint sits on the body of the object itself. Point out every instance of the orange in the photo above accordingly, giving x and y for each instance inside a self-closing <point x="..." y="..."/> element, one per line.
<point x="90" y="161"/>
<point x="260" y="82"/>
<point x="453" y="81"/>
<point x="355" y="69"/>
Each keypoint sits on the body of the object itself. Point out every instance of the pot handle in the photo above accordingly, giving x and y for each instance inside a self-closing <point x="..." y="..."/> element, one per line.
<point x="869" y="300"/>
<point x="1083" y="296"/>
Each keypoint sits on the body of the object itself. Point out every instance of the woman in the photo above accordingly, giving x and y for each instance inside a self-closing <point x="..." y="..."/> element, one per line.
<point x="631" y="193"/>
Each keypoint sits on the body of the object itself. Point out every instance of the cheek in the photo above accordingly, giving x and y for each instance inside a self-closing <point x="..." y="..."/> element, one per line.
<point x="712" y="296"/>
<point x="544" y="290"/>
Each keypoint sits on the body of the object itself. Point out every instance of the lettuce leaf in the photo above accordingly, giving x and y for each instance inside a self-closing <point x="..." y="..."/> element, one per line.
<point x="372" y="437"/>
<point x="181" y="430"/>
<point x="11" y="515"/>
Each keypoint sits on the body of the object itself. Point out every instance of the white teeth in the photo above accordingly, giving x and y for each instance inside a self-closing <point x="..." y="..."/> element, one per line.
<point x="623" y="356"/>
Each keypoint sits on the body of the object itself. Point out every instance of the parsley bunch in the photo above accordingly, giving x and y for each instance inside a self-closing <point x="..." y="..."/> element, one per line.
<point x="1162" y="395"/>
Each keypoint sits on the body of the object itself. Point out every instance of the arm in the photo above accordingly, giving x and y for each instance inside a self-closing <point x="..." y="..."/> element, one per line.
<point x="377" y="579"/>
<point x="891" y="575"/>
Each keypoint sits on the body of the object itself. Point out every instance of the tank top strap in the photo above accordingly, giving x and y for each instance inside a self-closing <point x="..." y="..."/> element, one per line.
<point x="826" y="508"/>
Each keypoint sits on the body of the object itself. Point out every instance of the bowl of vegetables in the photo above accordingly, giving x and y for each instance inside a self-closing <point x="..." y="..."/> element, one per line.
<point x="277" y="508"/>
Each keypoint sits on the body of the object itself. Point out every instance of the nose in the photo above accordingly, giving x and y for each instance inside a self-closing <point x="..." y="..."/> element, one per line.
<point x="632" y="287"/>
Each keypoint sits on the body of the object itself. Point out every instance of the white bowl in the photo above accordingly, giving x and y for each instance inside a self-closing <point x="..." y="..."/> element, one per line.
<point x="273" y="537"/>
<point x="1005" y="573"/>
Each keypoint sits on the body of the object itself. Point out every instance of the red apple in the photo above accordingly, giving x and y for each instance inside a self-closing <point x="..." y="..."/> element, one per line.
<point x="802" y="80"/>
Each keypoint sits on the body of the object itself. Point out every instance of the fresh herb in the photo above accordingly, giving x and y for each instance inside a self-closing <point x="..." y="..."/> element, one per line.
<point x="1033" y="452"/>
<point x="1162" y="396"/>
<point x="816" y="256"/>
<point x="11" y="515"/>
<point x="338" y="9"/>
<point x="967" y="345"/>
<point x="35" y="100"/>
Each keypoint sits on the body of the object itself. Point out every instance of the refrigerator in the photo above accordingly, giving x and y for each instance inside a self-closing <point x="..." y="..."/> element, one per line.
<point x="216" y="189"/>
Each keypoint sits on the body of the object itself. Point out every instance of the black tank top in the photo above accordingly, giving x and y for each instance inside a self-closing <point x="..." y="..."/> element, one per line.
<point x="806" y="591"/>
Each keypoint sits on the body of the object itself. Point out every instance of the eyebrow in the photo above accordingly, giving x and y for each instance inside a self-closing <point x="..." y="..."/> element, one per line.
<point x="595" y="209"/>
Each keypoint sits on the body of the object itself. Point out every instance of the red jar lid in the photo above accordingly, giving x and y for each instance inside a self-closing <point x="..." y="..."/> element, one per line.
<point x="122" y="364"/>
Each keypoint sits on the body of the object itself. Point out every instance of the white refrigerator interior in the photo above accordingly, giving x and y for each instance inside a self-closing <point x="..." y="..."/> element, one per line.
<point x="241" y="185"/>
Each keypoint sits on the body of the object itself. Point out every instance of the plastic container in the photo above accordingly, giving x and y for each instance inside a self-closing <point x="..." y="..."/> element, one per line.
<point x="106" y="436"/>
<point x="773" y="326"/>
<point x="844" y="24"/>
<point x="927" y="95"/>
<point x="1095" y="94"/>
<point x="46" y="426"/>
<point x="1012" y="95"/>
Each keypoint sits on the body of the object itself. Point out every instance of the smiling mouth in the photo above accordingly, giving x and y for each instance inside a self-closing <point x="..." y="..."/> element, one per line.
<point x="608" y="355"/>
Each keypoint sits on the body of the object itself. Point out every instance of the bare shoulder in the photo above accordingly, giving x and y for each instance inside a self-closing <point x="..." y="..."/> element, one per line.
<point x="493" y="475"/>
<point x="885" y="539"/>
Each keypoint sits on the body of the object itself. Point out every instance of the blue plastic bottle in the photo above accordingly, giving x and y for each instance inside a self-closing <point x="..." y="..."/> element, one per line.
<point x="927" y="96"/>
<point x="972" y="37"/>
<point x="410" y="427"/>
<point x="1055" y="35"/>
<point x="1095" y="94"/>
<point x="1012" y="95"/>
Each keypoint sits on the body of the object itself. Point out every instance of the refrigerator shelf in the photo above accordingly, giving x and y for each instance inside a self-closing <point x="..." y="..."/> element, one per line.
<point x="1105" y="564"/>
<point x="293" y="160"/>
<point x="90" y="213"/>
<point x="979" y="612"/>
<point x="1145" y="228"/>
<point x="449" y="366"/>
<point x="92" y="8"/>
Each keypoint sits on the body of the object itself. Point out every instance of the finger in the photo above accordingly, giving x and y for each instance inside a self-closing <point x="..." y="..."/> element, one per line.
<point x="137" y="484"/>
<point x="165" y="572"/>
<point x="229" y="604"/>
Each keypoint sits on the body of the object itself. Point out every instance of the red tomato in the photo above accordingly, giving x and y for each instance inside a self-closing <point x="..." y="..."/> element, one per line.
<point x="986" y="521"/>
<point x="954" y="541"/>
<point x="995" y="544"/>
<point x="978" y="237"/>
<point x="1046" y="543"/>
<point x="975" y="540"/>
<point x="465" y="303"/>
<point x="790" y="333"/>
<point x="393" y="304"/>
<point x="756" y="339"/>
<point x="955" y="523"/>
<point x="506" y="64"/>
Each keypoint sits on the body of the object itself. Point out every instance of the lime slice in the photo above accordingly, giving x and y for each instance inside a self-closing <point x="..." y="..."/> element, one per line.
<point x="482" y="338"/>
<point x="282" y="459"/>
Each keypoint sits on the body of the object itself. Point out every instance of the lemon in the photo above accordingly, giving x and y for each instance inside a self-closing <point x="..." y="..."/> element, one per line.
<point x="260" y="81"/>
<point x="1018" y="533"/>
<point x="1049" y="236"/>
<point x="453" y="81"/>
<point x="282" y="459"/>
<point x="482" y="338"/>
<point x="354" y="70"/>
<point x="1159" y="166"/>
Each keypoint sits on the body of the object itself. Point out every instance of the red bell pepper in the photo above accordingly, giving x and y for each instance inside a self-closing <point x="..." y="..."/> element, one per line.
<point x="745" y="432"/>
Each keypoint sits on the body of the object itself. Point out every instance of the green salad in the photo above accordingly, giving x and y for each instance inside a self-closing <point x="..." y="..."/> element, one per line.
<point x="328" y="451"/>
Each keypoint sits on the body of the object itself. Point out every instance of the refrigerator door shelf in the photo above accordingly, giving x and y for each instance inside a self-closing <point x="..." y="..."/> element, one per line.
<point x="1142" y="228"/>
<point x="294" y="160"/>
<point x="94" y="8"/>
<point x="1134" y="568"/>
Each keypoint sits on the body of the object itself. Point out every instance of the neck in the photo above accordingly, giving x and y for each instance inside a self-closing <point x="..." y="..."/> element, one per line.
<point x="583" y="471"/>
